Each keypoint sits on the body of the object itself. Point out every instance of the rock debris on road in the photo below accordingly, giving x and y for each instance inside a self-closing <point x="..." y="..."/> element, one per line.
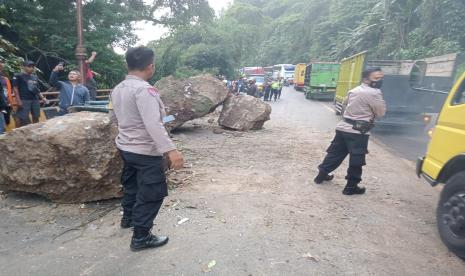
<point x="247" y="207"/>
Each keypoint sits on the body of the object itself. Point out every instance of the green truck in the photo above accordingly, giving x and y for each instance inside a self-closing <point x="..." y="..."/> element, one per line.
<point x="321" y="80"/>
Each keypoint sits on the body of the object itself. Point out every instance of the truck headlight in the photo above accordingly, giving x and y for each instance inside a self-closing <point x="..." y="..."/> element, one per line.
<point x="427" y="119"/>
<point x="431" y="132"/>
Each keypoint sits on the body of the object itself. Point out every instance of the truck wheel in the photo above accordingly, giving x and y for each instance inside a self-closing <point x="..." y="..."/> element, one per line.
<point x="450" y="214"/>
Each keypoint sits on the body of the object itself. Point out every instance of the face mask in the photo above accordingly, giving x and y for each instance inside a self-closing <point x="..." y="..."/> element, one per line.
<point x="376" y="84"/>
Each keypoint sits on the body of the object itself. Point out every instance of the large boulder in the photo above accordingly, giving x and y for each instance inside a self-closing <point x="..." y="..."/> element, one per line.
<point x="67" y="159"/>
<point x="191" y="98"/>
<point x="244" y="113"/>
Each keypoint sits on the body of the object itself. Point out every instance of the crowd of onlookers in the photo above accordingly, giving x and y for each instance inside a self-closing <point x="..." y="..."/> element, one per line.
<point x="270" y="90"/>
<point x="20" y="96"/>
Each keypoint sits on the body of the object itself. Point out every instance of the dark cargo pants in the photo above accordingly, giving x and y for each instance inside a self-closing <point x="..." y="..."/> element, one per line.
<point x="274" y="94"/>
<point x="91" y="85"/>
<point x="144" y="186"/>
<point x="343" y="144"/>
<point x="267" y="94"/>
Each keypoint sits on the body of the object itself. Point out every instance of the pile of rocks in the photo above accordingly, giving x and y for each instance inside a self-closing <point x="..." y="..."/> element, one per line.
<point x="198" y="96"/>
<point x="73" y="158"/>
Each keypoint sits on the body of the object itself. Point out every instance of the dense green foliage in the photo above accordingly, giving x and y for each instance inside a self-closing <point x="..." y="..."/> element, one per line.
<point x="45" y="30"/>
<point x="249" y="33"/>
<point x="266" y="32"/>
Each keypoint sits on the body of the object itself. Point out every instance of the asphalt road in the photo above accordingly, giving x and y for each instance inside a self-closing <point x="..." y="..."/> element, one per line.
<point x="246" y="205"/>
<point x="406" y="143"/>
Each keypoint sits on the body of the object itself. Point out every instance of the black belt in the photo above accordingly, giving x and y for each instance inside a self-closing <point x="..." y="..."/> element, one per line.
<point x="349" y="121"/>
<point x="360" y="125"/>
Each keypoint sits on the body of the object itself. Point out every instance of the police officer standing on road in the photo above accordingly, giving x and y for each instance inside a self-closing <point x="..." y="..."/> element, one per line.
<point x="362" y="105"/>
<point x="281" y="84"/>
<point x="143" y="142"/>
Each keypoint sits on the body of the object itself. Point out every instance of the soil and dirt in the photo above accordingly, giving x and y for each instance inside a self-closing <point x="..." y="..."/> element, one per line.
<point x="246" y="205"/>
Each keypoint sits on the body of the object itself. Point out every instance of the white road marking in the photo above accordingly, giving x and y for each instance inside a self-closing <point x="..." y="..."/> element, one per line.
<point x="327" y="107"/>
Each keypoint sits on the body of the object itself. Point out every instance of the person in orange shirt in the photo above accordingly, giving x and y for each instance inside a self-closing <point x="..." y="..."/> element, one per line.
<point x="8" y="95"/>
<point x="3" y="106"/>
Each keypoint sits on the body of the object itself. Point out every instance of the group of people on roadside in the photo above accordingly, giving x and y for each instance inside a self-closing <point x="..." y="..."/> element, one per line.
<point x="244" y="86"/>
<point x="272" y="88"/>
<point x="21" y="97"/>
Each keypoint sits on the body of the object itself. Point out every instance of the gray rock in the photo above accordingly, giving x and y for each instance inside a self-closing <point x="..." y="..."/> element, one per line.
<point x="244" y="113"/>
<point x="67" y="159"/>
<point x="191" y="98"/>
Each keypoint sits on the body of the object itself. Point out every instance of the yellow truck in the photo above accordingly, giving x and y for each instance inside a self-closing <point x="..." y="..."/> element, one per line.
<point x="445" y="163"/>
<point x="299" y="76"/>
<point x="412" y="89"/>
<point x="350" y="76"/>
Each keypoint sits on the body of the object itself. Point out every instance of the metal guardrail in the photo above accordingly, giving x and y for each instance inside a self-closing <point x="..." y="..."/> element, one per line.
<point x="52" y="96"/>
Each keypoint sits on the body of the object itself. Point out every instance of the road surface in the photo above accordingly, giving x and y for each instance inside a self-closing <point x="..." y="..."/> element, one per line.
<point x="246" y="205"/>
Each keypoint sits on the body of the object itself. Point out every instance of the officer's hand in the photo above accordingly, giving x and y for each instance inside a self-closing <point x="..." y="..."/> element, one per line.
<point x="176" y="160"/>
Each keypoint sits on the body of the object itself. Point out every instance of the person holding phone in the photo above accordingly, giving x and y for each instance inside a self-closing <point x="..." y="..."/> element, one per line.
<point x="72" y="93"/>
<point x="89" y="80"/>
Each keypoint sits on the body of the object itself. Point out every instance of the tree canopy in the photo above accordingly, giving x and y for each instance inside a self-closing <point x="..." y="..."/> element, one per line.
<point x="249" y="33"/>
<point x="259" y="32"/>
<point x="45" y="30"/>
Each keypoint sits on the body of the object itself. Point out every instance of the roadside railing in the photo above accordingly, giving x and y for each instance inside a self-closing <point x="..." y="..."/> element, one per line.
<point x="53" y="96"/>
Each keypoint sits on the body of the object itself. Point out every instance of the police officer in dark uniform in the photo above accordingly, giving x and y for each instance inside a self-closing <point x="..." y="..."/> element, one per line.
<point x="143" y="143"/>
<point x="362" y="105"/>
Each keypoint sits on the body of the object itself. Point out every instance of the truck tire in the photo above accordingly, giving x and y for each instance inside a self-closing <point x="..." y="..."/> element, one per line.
<point x="450" y="214"/>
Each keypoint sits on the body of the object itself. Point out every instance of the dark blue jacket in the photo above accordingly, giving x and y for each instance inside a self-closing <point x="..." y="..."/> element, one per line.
<point x="69" y="94"/>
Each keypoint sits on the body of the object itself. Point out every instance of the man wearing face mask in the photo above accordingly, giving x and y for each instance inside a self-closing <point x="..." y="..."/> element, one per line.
<point x="362" y="106"/>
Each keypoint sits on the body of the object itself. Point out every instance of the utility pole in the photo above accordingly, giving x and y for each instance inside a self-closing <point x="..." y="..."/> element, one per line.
<point x="386" y="10"/>
<point x="382" y="53"/>
<point x="80" y="49"/>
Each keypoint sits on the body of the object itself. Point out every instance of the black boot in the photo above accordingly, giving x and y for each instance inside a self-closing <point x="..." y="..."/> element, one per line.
<point x="144" y="239"/>
<point x="321" y="177"/>
<point x="353" y="189"/>
<point x="126" y="222"/>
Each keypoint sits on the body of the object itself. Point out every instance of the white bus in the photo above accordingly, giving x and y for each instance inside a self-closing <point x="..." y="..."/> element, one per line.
<point x="284" y="70"/>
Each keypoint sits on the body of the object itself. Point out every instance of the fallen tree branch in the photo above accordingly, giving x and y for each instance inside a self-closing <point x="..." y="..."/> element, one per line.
<point x="85" y="223"/>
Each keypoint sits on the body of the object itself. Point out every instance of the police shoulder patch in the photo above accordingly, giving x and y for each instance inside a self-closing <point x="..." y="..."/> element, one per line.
<point x="152" y="91"/>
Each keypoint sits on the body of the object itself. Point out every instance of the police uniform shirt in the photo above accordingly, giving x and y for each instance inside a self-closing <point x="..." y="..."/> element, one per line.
<point x="138" y="111"/>
<point x="363" y="103"/>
